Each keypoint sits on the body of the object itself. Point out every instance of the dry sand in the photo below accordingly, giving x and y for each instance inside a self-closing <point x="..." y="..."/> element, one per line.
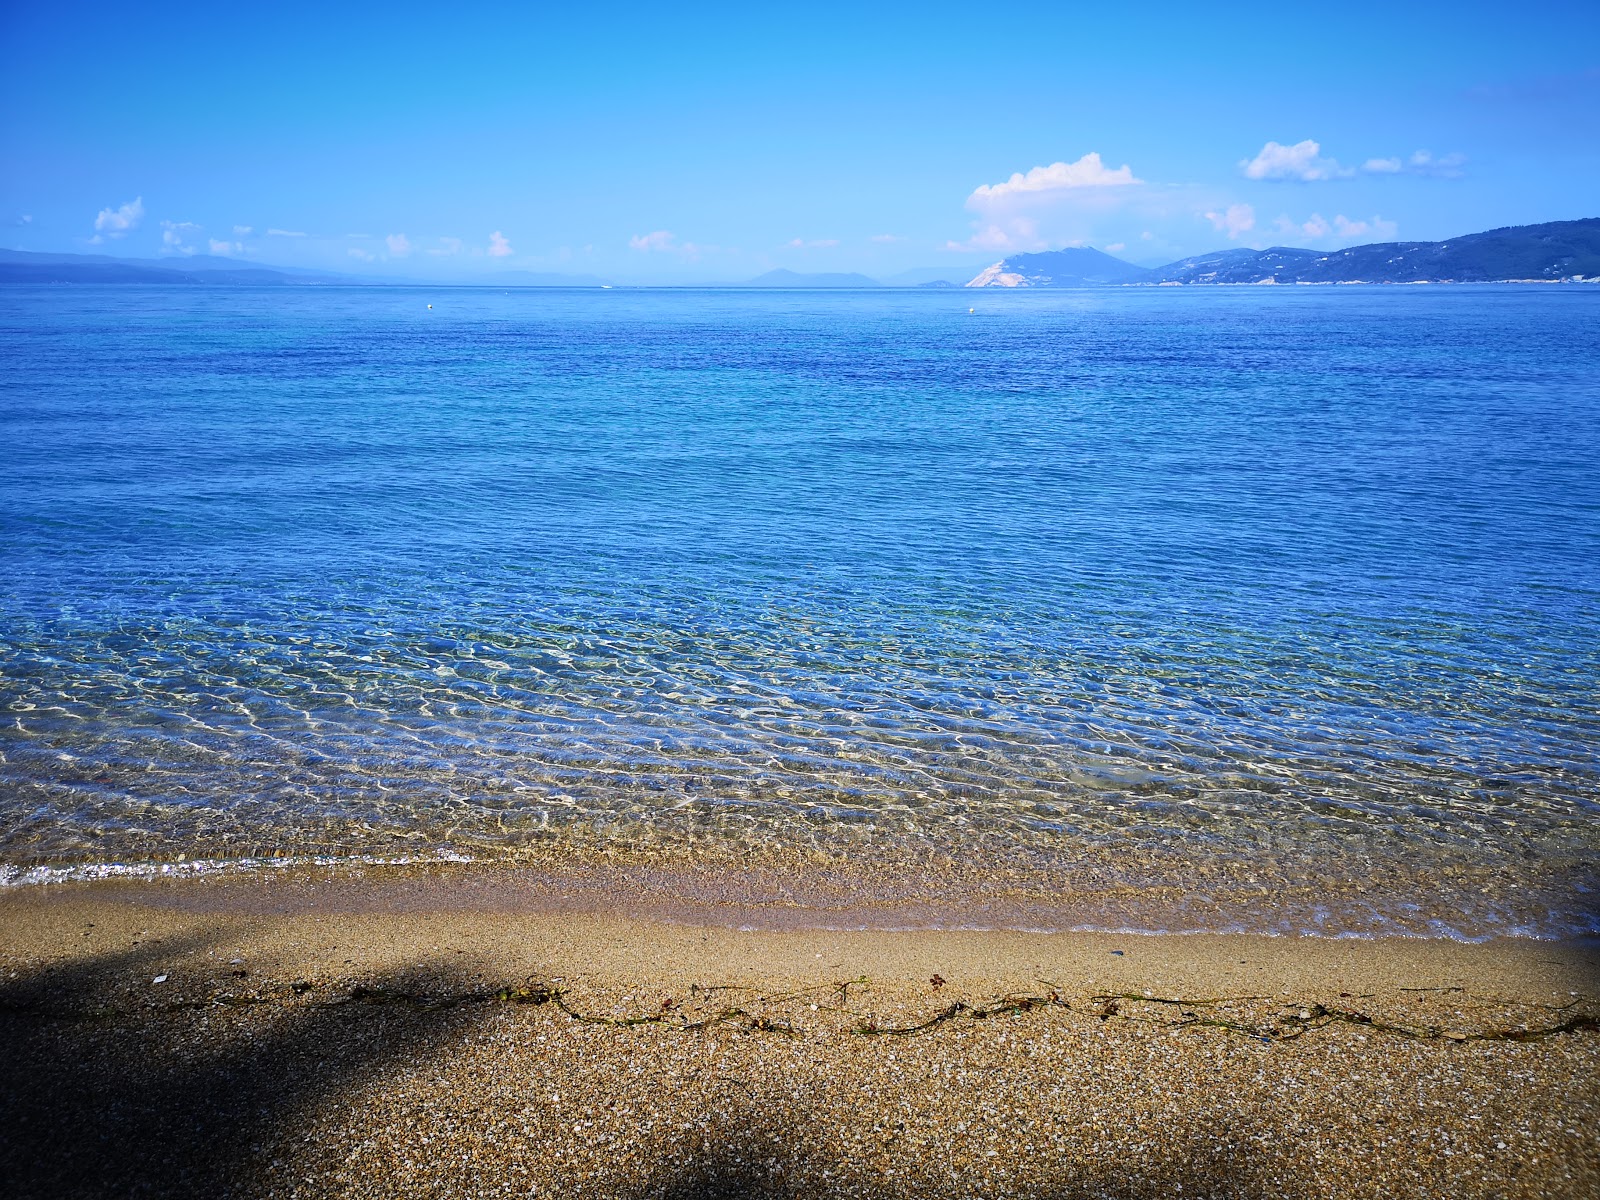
<point x="442" y="1034"/>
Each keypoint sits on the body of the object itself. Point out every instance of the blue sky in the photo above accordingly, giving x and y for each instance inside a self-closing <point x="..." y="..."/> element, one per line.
<point x="676" y="144"/>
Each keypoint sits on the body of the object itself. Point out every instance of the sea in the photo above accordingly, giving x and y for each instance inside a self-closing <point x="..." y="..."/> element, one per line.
<point x="1279" y="606"/>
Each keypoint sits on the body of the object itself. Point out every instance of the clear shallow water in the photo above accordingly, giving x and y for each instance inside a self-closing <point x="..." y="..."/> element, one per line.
<point x="1298" y="581"/>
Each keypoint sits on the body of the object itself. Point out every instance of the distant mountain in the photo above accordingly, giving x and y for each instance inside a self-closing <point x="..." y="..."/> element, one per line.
<point x="1235" y="266"/>
<point x="1076" y="266"/>
<point x="1554" y="251"/>
<point x="957" y="274"/>
<point x="1558" y="250"/>
<point x="26" y="266"/>
<point x="792" y="279"/>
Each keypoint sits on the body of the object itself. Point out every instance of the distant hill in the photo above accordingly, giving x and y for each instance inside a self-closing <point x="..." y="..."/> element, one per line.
<point x="793" y="279"/>
<point x="207" y="270"/>
<point x="956" y="274"/>
<point x="23" y="266"/>
<point x="1235" y="266"/>
<point x="1076" y="266"/>
<point x="1554" y="251"/>
<point x="27" y="266"/>
<point x="1558" y="250"/>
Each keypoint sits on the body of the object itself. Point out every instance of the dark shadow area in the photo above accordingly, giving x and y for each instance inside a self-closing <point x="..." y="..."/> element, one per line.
<point x="746" y="1155"/>
<point x="179" y="1101"/>
<point x="743" y="1158"/>
<point x="110" y="1087"/>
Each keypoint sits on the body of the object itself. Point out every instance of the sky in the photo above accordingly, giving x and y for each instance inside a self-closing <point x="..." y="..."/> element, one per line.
<point x="695" y="143"/>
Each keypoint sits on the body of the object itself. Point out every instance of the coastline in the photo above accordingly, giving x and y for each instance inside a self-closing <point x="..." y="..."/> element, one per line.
<point x="452" y="1030"/>
<point x="892" y="886"/>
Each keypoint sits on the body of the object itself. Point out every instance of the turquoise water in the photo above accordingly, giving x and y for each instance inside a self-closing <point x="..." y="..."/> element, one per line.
<point x="1306" y="579"/>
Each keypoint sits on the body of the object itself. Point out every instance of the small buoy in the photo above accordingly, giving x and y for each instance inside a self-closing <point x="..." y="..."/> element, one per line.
<point x="969" y="310"/>
<point x="430" y="308"/>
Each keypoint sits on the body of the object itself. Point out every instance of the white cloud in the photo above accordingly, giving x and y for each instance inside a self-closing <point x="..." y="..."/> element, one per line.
<point x="363" y="255"/>
<point x="1018" y="233"/>
<point x="1087" y="172"/>
<point x="221" y="247"/>
<point x="242" y="230"/>
<point x="1444" y="166"/>
<point x="817" y="244"/>
<point x="662" y="241"/>
<point x="1147" y="236"/>
<point x="1341" y="228"/>
<point x="1375" y="227"/>
<point x="1302" y="161"/>
<point x="498" y="246"/>
<point x="1234" y="220"/>
<point x="116" y="222"/>
<point x="885" y="239"/>
<point x="25" y="219"/>
<point x="1422" y="162"/>
<point x="285" y="233"/>
<point x="447" y="246"/>
<point x="399" y="245"/>
<point x="1115" y="246"/>
<point x="175" y="236"/>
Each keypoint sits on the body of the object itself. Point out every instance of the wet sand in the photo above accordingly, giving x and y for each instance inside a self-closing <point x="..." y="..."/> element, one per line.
<point x="443" y="1033"/>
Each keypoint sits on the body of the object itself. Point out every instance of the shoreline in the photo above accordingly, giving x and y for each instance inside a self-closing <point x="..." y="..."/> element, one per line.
<point x="763" y="887"/>
<point x="409" y="1034"/>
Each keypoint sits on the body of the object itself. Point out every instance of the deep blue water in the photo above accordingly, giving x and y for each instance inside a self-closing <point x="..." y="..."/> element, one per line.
<point x="1308" y="573"/>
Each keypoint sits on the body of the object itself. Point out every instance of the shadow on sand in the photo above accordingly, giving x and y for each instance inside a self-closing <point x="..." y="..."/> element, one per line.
<point x="141" y="1105"/>
<point x="103" y="1093"/>
<point x="736" y="1164"/>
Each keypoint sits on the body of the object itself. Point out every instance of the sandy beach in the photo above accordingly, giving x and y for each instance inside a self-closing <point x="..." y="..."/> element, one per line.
<point x="455" y="1033"/>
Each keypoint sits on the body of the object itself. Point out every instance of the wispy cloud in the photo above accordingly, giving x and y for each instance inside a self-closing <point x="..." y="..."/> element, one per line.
<point x="1371" y="227"/>
<point x="362" y="254"/>
<point x="1316" y="227"/>
<point x="499" y="247"/>
<point x="886" y="239"/>
<point x="285" y="233"/>
<point x="1236" y="220"/>
<point x="399" y="245"/>
<point x="447" y="246"/>
<point x="24" y="219"/>
<point x="1422" y="162"/>
<point x="815" y="244"/>
<point x="1302" y="162"/>
<point x="1016" y="233"/>
<point x="663" y="241"/>
<point x="116" y="222"/>
<point x="222" y="247"/>
<point x="1443" y="166"/>
<point x="175" y="236"/>
<point x="1087" y="172"/>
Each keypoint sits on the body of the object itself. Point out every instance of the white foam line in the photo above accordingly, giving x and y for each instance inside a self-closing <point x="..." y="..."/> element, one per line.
<point x="15" y="876"/>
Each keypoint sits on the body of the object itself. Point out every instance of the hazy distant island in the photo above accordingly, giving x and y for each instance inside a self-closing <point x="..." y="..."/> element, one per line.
<point x="1555" y="252"/>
